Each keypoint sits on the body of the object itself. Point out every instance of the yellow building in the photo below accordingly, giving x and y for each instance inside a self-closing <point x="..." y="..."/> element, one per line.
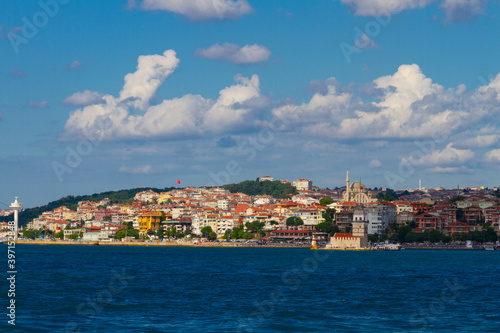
<point x="163" y="197"/>
<point x="149" y="220"/>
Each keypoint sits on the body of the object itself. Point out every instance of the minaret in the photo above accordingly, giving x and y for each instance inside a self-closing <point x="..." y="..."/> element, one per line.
<point x="347" y="187"/>
<point x="16" y="206"/>
<point x="420" y="184"/>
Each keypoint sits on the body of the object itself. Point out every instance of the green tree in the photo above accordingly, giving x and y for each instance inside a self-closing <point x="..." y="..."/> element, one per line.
<point x="402" y="232"/>
<point x="412" y="237"/>
<point x="329" y="215"/>
<point x="435" y="236"/>
<point x="373" y="238"/>
<point x="107" y="218"/>
<point x="127" y="233"/>
<point x="276" y="188"/>
<point x="151" y="232"/>
<point x="160" y="232"/>
<point x="76" y="236"/>
<point x="212" y="236"/>
<point x="59" y="234"/>
<point x="459" y="236"/>
<point x="130" y="225"/>
<point x="294" y="221"/>
<point x="327" y="227"/>
<point x="255" y="226"/>
<point x="325" y="201"/>
<point x="461" y="216"/>
<point x="206" y="231"/>
<point x="273" y="222"/>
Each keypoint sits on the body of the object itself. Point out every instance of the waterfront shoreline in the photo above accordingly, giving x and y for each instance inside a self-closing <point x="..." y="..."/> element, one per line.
<point x="231" y="245"/>
<point x="164" y="244"/>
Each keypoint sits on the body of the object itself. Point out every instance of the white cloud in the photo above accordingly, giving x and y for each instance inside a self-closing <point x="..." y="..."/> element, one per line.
<point x="151" y="71"/>
<point x="39" y="105"/>
<point x="188" y="116"/>
<point x="447" y="157"/>
<point x="479" y="141"/>
<point x="384" y="7"/>
<point x="448" y="170"/>
<point x="483" y="91"/>
<point x="406" y="104"/>
<point x="492" y="156"/>
<point x="409" y="107"/>
<point x="199" y="10"/>
<point x="375" y="163"/>
<point x="235" y="54"/>
<point x="456" y="10"/>
<point x="144" y="170"/>
<point x="463" y="10"/>
<point x="86" y="97"/>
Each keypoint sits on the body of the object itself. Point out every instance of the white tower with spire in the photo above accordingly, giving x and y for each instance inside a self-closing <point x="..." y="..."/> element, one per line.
<point x="347" y="185"/>
<point x="420" y="184"/>
<point x="16" y="206"/>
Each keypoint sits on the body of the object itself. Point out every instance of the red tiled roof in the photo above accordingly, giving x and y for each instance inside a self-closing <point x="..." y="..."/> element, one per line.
<point x="339" y="235"/>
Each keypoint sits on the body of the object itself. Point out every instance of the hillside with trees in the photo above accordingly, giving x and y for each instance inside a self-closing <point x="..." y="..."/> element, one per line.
<point x="275" y="188"/>
<point x="71" y="202"/>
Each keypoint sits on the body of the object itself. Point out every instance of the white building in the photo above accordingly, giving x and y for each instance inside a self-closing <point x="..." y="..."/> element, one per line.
<point x="266" y="178"/>
<point x="303" y="184"/>
<point x="304" y="200"/>
<point x="146" y="196"/>
<point x="311" y="216"/>
<point x="378" y="220"/>
<point x="263" y="200"/>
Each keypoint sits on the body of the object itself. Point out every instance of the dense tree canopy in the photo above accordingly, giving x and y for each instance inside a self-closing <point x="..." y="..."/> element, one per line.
<point x="329" y="215"/>
<point x="275" y="188"/>
<point x="294" y="221"/>
<point x="327" y="227"/>
<point x="127" y="233"/>
<point x="325" y="201"/>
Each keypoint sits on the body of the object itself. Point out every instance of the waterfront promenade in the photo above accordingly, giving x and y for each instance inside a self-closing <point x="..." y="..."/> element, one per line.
<point x="166" y="243"/>
<point x="405" y="246"/>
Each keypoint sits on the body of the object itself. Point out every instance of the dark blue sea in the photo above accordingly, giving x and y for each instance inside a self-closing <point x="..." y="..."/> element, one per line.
<point x="150" y="289"/>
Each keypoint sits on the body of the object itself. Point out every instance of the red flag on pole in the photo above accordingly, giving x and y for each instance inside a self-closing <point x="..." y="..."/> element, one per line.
<point x="178" y="181"/>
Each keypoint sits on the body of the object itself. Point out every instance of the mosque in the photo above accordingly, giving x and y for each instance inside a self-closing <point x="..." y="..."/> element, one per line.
<point x="358" y="239"/>
<point x="356" y="192"/>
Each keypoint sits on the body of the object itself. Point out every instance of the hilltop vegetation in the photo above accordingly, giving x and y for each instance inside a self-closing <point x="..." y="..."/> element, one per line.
<point x="275" y="188"/>
<point x="120" y="197"/>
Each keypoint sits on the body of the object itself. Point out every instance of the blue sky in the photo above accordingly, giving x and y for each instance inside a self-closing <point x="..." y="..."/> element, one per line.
<point x="107" y="95"/>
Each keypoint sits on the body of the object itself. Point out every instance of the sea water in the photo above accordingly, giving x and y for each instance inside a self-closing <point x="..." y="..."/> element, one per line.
<point x="169" y="289"/>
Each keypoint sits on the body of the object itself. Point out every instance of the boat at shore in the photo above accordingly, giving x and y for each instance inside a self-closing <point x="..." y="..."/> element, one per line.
<point x="387" y="247"/>
<point x="489" y="247"/>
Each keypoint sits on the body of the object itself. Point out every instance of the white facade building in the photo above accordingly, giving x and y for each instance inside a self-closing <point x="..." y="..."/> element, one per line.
<point x="303" y="184"/>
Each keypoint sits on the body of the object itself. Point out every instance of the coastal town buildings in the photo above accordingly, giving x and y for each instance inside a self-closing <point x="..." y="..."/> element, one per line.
<point x="303" y="184"/>
<point x="189" y="210"/>
<point x="356" y="240"/>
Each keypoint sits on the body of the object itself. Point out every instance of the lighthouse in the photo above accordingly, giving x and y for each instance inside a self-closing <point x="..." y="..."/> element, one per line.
<point x="16" y="206"/>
